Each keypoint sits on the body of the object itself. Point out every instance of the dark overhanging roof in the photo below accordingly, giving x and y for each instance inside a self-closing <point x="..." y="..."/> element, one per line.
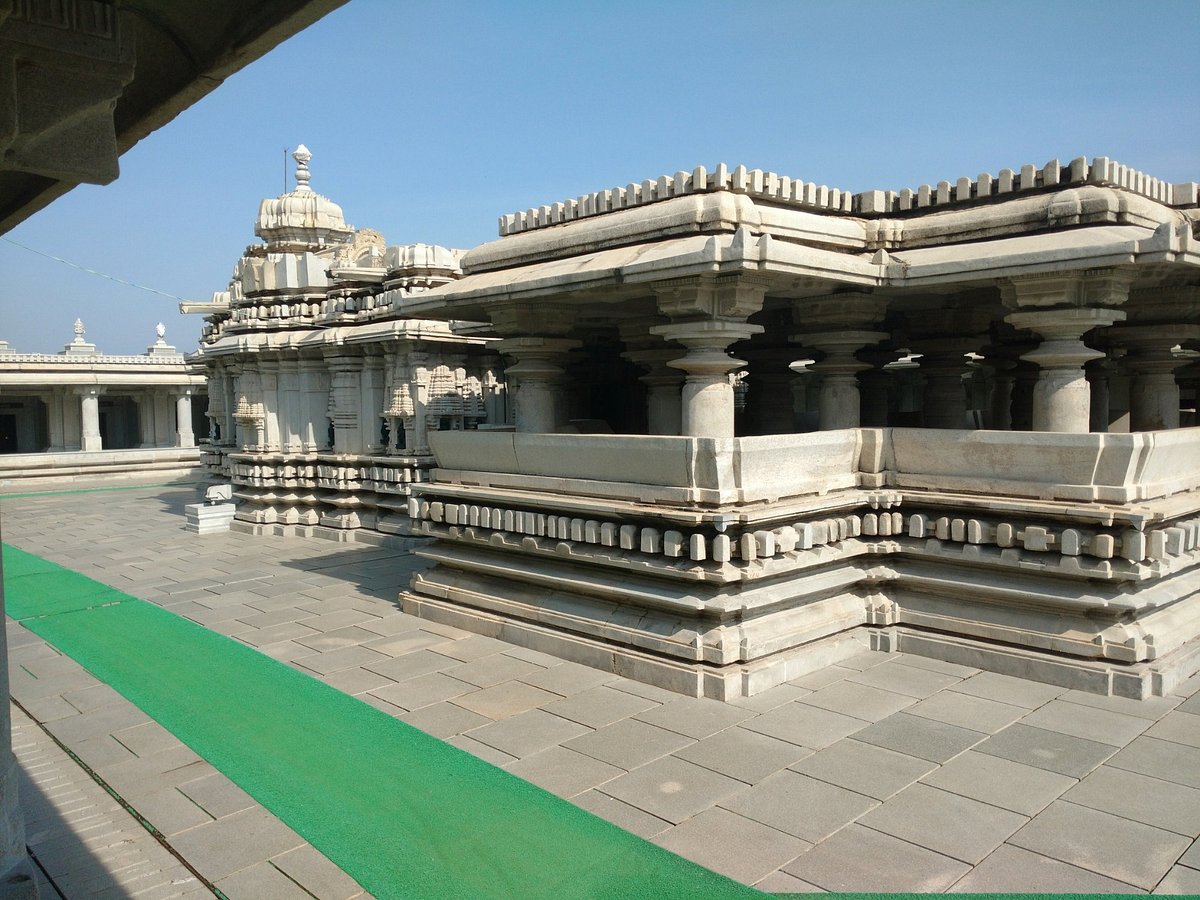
<point x="138" y="63"/>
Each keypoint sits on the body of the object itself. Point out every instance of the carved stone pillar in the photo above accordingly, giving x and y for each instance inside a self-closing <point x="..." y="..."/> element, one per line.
<point x="269" y="381"/>
<point x="707" y="395"/>
<point x="314" y="420"/>
<point x="875" y="388"/>
<point x="772" y="403"/>
<point x="184" y="436"/>
<point x="89" y="412"/>
<point x="839" y="325"/>
<point x="540" y="372"/>
<point x="248" y="412"/>
<point x="345" y="387"/>
<point x="1153" y="391"/>
<point x="291" y="412"/>
<point x="664" y="384"/>
<point x="54" y="421"/>
<point x="944" y="363"/>
<point x="1061" y="309"/>
<point x="371" y="399"/>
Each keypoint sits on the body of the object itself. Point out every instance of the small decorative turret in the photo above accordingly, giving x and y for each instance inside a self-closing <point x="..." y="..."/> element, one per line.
<point x="302" y="216"/>
<point x="78" y="346"/>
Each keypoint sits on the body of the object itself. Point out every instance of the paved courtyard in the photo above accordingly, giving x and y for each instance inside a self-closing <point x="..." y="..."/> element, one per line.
<point x="885" y="773"/>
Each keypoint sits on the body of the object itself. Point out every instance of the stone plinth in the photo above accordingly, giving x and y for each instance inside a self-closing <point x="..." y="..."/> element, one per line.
<point x="208" y="518"/>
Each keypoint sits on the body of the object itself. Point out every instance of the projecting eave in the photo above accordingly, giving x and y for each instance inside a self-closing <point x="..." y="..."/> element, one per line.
<point x="1082" y="248"/>
<point x="619" y="273"/>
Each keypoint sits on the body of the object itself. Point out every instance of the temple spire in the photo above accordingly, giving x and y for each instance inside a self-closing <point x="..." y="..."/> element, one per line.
<point x="302" y="155"/>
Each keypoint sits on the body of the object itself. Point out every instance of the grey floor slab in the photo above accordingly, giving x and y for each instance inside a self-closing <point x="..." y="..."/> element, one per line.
<point x="629" y="743"/>
<point x="1050" y="750"/>
<point x="1141" y="798"/>
<point x="864" y="768"/>
<point x="899" y="677"/>
<point x="917" y="736"/>
<point x="858" y="859"/>
<point x="1089" y="722"/>
<point x="731" y="844"/>
<point x="1001" y="782"/>
<point x="527" y="733"/>
<point x="672" y="789"/>
<point x="744" y="755"/>
<point x="599" y="706"/>
<point x="858" y="700"/>
<point x="946" y="823"/>
<point x="1106" y="844"/>
<point x="695" y="717"/>
<point x="799" y="805"/>
<point x="967" y="711"/>
<point x="1014" y="870"/>
<point x="1180" y="880"/>
<point x="808" y="726"/>
<point x="564" y="772"/>
<point x="1007" y="689"/>
<point x="1178" y="727"/>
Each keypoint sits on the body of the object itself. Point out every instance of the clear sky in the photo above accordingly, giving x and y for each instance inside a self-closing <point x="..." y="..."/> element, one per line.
<point x="428" y="120"/>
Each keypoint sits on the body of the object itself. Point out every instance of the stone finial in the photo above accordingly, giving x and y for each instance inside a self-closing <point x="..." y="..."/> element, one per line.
<point x="160" y="330"/>
<point x="302" y="155"/>
<point x="79" y="331"/>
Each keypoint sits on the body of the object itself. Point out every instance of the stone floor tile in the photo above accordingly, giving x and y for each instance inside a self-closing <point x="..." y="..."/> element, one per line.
<point x="866" y="659"/>
<point x="858" y="859"/>
<point x="649" y="691"/>
<point x="937" y="665"/>
<point x="632" y="819"/>
<point x="410" y="665"/>
<point x="330" y="661"/>
<point x="350" y="636"/>
<point x="920" y="737"/>
<point x="1001" y="782"/>
<point x="528" y="732"/>
<point x="1150" y="708"/>
<point x="946" y="823"/>
<point x="744" y="755"/>
<point x="443" y="720"/>
<point x="1089" y="722"/>
<point x="672" y="788"/>
<point x="821" y="677"/>
<point x="563" y="772"/>
<point x="1161" y="759"/>
<point x="599" y="706"/>
<point x="217" y="795"/>
<point x="1192" y="857"/>
<point x="695" y="717"/>
<point x="47" y="709"/>
<point x="1180" y="880"/>
<point x="1013" y="870"/>
<point x="170" y="811"/>
<point x="771" y="698"/>
<point x="406" y="642"/>
<point x="808" y="726"/>
<point x="106" y="720"/>
<point x="628" y="743"/>
<point x="491" y="670"/>
<point x="482" y="751"/>
<point x="537" y="657"/>
<point x="1007" y="689"/>
<point x="145" y="739"/>
<point x="316" y="874"/>
<point x="1119" y="848"/>
<point x="569" y="678"/>
<point x="422" y="690"/>
<point x="285" y="651"/>
<point x="469" y="648"/>
<point x="863" y="768"/>
<point x="392" y="623"/>
<point x="800" y="806"/>
<point x="235" y="842"/>
<point x="259" y="881"/>
<point x="1141" y="798"/>
<point x="732" y="845"/>
<point x="1179" y="727"/>
<point x="1050" y="750"/>
<point x="858" y="700"/>
<point x="967" y="711"/>
<point x="782" y="883"/>
<point x="355" y="681"/>
<point x="900" y="678"/>
<point x="504" y="700"/>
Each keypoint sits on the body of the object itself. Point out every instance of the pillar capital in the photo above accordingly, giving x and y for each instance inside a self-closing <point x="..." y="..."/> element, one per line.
<point x="716" y="297"/>
<point x="1081" y="288"/>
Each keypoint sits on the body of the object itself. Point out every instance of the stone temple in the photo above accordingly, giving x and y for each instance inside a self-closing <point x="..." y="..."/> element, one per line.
<point x="718" y="429"/>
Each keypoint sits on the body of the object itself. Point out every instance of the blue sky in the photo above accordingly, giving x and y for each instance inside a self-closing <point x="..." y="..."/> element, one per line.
<point x="429" y="120"/>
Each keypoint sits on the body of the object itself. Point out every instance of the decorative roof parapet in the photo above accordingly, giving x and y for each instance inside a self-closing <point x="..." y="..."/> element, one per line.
<point x="781" y="189"/>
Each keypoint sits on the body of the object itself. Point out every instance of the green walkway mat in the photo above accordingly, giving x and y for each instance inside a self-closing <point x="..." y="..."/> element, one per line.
<point x="406" y="815"/>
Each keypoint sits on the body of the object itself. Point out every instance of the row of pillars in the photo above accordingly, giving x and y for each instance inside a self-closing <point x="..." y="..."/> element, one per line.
<point x="68" y="431"/>
<point x="692" y="394"/>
